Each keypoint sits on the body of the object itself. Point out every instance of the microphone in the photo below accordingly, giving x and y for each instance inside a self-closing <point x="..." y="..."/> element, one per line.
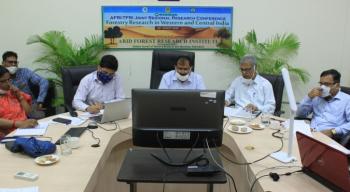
<point x="71" y="111"/>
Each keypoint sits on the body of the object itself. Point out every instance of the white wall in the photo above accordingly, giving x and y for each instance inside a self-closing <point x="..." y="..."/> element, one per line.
<point x="321" y="25"/>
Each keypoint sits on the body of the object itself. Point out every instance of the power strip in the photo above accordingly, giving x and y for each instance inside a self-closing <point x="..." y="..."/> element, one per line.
<point x="202" y="171"/>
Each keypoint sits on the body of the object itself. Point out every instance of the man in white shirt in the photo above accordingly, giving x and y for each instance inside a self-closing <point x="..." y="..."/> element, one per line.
<point x="251" y="91"/>
<point x="182" y="77"/>
<point x="99" y="86"/>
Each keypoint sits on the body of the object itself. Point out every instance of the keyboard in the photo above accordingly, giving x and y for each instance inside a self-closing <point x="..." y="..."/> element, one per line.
<point x="96" y="118"/>
<point x="73" y="132"/>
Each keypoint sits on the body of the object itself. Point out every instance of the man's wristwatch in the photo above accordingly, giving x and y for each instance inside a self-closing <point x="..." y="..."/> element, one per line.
<point x="333" y="132"/>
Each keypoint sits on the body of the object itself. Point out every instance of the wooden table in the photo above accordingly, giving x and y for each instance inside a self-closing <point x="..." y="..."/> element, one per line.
<point x="95" y="169"/>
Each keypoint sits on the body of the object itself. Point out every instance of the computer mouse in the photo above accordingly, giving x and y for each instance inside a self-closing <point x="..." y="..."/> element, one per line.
<point x="92" y="125"/>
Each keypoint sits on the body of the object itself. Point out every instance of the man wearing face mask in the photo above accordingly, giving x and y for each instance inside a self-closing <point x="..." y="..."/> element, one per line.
<point x="99" y="86"/>
<point x="329" y="106"/>
<point x="21" y="77"/>
<point x="251" y="91"/>
<point x="14" y="106"/>
<point x="182" y="77"/>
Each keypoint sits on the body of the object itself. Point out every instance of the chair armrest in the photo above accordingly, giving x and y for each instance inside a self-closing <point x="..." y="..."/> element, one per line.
<point x="302" y="118"/>
<point x="345" y="140"/>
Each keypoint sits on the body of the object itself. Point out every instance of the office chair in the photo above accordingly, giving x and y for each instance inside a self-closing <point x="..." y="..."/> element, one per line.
<point x="50" y="96"/>
<point x="71" y="77"/>
<point x="278" y="86"/>
<point x="164" y="61"/>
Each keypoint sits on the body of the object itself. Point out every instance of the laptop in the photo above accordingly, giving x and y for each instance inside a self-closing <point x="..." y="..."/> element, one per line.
<point x="324" y="163"/>
<point x="113" y="111"/>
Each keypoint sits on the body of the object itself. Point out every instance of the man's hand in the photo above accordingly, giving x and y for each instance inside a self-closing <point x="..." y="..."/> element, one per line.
<point x="315" y="92"/>
<point x="250" y="107"/>
<point x="227" y="103"/>
<point x="327" y="132"/>
<point x="29" y="123"/>
<point x="95" y="108"/>
<point x="40" y="107"/>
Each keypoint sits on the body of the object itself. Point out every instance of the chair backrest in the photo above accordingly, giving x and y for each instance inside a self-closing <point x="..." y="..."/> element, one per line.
<point x="50" y="96"/>
<point x="345" y="89"/>
<point x="71" y="77"/>
<point x="278" y="86"/>
<point x="164" y="61"/>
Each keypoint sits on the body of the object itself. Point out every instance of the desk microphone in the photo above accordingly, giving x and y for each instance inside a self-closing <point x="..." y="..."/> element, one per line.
<point x="71" y="111"/>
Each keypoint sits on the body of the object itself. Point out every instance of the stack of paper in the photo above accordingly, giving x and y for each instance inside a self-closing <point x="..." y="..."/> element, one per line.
<point x="299" y="125"/>
<point x="237" y="112"/>
<point x="40" y="129"/>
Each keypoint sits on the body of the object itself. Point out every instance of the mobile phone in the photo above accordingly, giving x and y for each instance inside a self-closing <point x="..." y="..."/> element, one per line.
<point x="62" y="120"/>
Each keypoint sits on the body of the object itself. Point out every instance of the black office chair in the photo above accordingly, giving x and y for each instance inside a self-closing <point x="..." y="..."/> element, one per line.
<point x="164" y="61"/>
<point x="71" y="77"/>
<point x="50" y="96"/>
<point x="278" y="86"/>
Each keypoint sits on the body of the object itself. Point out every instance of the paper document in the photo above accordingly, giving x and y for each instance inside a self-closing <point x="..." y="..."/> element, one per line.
<point x="40" y="129"/>
<point x="299" y="125"/>
<point x="26" y="189"/>
<point x="87" y="115"/>
<point x="340" y="148"/>
<point x="237" y="112"/>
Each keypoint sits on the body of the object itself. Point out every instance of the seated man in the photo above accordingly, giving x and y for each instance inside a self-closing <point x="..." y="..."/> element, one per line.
<point x="99" y="86"/>
<point x="251" y="91"/>
<point x="182" y="77"/>
<point x="14" y="106"/>
<point x="329" y="106"/>
<point x="21" y="77"/>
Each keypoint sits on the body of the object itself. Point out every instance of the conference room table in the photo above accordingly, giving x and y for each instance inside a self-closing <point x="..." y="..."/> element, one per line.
<point x="95" y="169"/>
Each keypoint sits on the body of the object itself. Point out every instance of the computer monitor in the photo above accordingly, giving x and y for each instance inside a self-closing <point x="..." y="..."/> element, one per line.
<point x="177" y="118"/>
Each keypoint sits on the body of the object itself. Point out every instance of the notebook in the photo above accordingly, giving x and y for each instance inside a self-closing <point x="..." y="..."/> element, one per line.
<point x="113" y="111"/>
<point x="324" y="163"/>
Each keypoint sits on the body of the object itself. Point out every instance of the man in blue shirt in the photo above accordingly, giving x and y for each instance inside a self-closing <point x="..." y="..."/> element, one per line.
<point x="21" y="77"/>
<point x="182" y="77"/>
<point x="329" y="106"/>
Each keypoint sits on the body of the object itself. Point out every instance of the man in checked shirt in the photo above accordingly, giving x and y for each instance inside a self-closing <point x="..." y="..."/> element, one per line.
<point x="22" y="77"/>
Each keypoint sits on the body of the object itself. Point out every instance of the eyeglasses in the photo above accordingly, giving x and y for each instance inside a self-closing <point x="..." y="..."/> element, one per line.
<point x="106" y="73"/>
<point x="12" y="62"/>
<point x="5" y="80"/>
<point x="246" y="69"/>
<point x="326" y="83"/>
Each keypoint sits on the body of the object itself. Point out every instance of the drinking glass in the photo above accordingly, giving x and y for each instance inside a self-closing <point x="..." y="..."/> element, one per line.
<point x="265" y="119"/>
<point x="65" y="145"/>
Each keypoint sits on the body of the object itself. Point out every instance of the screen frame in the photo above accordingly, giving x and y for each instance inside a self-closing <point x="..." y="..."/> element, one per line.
<point x="169" y="136"/>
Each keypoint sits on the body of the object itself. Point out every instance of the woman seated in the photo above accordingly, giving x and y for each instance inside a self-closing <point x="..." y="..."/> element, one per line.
<point x="14" y="106"/>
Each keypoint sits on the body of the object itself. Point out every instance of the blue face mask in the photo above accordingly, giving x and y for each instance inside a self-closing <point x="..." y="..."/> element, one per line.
<point x="103" y="77"/>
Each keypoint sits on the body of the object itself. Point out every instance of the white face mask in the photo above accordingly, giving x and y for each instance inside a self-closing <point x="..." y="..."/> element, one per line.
<point x="325" y="91"/>
<point x="12" y="70"/>
<point x="182" y="77"/>
<point x="247" y="81"/>
<point x="3" y="92"/>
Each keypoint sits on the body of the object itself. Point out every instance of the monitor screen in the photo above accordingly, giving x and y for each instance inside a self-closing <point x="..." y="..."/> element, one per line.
<point x="177" y="118"/>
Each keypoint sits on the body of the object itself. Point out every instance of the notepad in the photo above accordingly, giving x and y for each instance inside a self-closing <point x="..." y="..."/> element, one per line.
<point x="25" y="189"/>
<point x="40" y="129"/>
